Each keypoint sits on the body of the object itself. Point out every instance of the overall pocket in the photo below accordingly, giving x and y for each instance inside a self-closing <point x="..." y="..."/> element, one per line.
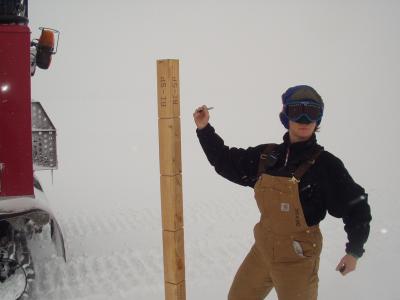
<point x="297" y="247"/>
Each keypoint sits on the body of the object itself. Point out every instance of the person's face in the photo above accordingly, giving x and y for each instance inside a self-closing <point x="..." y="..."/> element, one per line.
<point x="301" y="132"/>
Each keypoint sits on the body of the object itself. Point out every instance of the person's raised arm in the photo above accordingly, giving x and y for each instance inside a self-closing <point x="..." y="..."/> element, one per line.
<point x="235" y="164"/>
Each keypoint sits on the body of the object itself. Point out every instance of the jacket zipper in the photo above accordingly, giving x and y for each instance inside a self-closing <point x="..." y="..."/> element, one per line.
<point x="287" y="156"/>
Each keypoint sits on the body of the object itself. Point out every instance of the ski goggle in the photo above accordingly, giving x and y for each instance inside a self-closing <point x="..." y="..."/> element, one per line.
<point x="311" y="111"/>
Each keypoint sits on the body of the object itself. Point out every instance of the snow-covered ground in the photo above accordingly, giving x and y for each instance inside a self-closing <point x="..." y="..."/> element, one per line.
<point x="238" y="56"/>
<point x="116" y="253"/>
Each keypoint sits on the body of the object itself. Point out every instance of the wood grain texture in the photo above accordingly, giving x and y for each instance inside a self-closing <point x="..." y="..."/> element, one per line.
<point x="169" y="129"/>
<point x="171" y="202"/>
<point x="174" y="256"/>
<point x="175" y="291"/>
<point x="170" y="146"/>
<point x="168" y="88"/>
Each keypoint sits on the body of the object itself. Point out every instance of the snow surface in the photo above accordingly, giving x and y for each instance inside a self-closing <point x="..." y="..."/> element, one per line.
<point x="116" y="254"/>
<point x="14" y="286"/>
<point x="238" y="57"/>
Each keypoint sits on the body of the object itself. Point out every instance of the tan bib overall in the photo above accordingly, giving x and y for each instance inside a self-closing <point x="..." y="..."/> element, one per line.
<point x="286" y="251"/>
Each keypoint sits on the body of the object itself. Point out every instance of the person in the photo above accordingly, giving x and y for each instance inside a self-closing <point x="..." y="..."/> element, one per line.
<point x="295" y="184"/>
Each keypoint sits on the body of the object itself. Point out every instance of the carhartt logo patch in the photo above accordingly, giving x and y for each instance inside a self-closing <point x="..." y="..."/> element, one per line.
<point x="285" y="207"/>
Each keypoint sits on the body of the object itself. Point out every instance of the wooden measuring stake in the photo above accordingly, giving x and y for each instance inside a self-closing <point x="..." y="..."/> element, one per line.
<point x="169" y="129"/>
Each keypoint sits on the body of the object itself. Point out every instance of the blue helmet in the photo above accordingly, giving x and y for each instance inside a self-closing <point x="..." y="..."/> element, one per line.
<point x="300" y="94"/>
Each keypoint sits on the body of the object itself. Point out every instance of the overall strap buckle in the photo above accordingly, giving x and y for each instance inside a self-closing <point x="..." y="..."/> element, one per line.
<point x="294" y="179"/>
<point x="265" y="158"/>
<point x="303" y="168"/>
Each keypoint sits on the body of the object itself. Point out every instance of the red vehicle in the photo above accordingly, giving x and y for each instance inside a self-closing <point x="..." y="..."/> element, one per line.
<point x="27" y="144"/>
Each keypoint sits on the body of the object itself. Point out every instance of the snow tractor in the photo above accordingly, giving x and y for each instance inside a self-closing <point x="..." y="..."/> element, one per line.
<point x="27" y="145"/>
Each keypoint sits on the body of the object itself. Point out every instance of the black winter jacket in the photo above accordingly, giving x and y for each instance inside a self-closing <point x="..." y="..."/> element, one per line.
<point x="326" y="186"/>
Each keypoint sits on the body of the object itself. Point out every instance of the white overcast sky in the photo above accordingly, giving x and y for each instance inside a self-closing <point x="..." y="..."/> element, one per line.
<point x="238" y="56"/>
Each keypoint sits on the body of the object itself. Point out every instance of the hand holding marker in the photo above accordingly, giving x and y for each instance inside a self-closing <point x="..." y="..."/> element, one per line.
<point x="208" y="108"/>
<point x="201" y="116"/>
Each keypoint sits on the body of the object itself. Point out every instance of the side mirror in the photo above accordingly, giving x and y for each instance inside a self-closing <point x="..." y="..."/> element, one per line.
<point x="46" y="47"/>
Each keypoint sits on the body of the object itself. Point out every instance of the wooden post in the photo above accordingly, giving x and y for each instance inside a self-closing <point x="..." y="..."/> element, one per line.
<point x="169" y="130"/>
